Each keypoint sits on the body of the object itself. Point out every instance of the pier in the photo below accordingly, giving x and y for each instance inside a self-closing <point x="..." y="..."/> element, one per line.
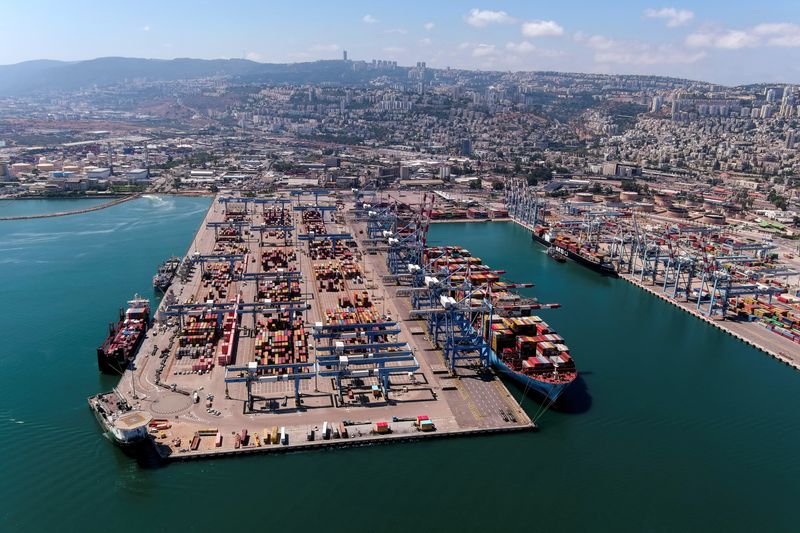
<point x="106" y="205"/>
<point x="749" y="332"/>
<point x="304" y="337"/>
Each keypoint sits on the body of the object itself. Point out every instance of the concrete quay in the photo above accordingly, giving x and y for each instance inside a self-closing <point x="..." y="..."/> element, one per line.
<point x="750" y="333"/>
<point x="163" y="385"/>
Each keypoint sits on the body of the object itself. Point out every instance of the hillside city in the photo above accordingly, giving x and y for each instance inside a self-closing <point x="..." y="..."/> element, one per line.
<point x="727" y="152"/>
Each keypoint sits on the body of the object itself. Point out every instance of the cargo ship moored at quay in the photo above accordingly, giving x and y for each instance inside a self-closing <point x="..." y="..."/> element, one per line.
<point x="573" y="250"/>
<point x="522" y="345"/>
<point x="124" y="337"/>
<point x="166" y="273"/>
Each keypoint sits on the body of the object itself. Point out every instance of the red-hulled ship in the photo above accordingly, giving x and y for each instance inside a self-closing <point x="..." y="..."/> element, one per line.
<point x="124" y="337"/>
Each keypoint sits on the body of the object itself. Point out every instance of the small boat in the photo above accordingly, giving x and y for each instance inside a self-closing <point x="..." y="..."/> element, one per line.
<point x="556" y="254"/>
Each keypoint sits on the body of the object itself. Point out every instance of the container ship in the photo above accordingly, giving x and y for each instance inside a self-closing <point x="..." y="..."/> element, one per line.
<point x="573" y="249"/>
<point x="166" y="273"/>
<point x="522" y="345"/>
<point x="124" y="337"/>
<point x="126" y="426"/>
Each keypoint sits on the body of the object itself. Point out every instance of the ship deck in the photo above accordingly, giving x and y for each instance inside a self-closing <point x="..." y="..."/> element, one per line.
<point x="465" y="404"/>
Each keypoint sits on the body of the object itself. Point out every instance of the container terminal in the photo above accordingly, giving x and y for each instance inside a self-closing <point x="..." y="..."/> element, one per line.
<point x="730" y="278"/>
<point x="314" y="319"/>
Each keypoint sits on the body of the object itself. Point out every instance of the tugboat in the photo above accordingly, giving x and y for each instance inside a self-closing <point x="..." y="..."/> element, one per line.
<point x="166" y="273"/>
<point x="126" y="426"/>
<point x="557" y="254"/>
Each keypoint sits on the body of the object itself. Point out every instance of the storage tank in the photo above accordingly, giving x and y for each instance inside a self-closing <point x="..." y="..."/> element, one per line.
<point x="645" y="207"/>
<point x="678" y="211"/>
<point x="20" y="168"/>
<point x="693" y="203"/>
<point x="714" y="218"/>
<point x="628" y="196"/>
<point x="662" y="200"/>
<point x="584" y="197"/>
<point x="610" y="198"/>
<point x="731" y="210"/>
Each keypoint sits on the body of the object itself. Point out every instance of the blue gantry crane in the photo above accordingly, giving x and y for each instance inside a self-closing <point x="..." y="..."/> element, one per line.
<point x="202" y="259"/>
<point x="239" y="225"/>
<point x="255" y="373"/>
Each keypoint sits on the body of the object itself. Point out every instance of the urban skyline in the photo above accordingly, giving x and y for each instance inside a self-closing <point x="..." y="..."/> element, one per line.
<point x="738" y="45"/>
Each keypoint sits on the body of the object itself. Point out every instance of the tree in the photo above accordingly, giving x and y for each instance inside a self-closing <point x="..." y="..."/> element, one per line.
<point x="475" y="184"/>
<point x="498" y="185"/>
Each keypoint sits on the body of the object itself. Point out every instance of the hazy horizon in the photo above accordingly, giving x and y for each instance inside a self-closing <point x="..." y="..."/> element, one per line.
<point x="740" y="44"/>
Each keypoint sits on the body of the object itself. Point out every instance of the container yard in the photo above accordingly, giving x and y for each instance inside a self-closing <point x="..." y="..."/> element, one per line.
<point x="729" y="276"/>
<point x="293" y="323"/>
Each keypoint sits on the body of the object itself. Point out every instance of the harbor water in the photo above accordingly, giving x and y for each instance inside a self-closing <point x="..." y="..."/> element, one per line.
<point x="673" y="425"/>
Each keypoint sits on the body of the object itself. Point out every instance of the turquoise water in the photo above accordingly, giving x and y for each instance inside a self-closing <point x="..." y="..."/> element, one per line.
<point x="11" y="208"/>
<point x="675" y="426"/>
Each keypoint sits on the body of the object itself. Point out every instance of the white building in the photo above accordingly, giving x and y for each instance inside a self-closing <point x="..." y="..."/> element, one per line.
<point x="99" y="173"/>
<point x="137" y="175"/>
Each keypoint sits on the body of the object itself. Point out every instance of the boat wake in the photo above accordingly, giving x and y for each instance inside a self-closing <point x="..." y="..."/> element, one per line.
<point x="159" y="202"/>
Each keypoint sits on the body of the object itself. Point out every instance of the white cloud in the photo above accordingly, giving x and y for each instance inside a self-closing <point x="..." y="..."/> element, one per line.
<point x="146" y="28"/>
<point x="325" y="48"/>
<point x="523" y="47"/>
<point x="674" y="17"/>
<point x="429" y="26"/>
<point x="369" y="19"/>
<point x="483" y="50"/>
<point x="483" y="17"/>
<point x="608" y="51"/>
<point x="425" y="41"/>
<point x="253" y="56"/>
<point x="726" y="39"/>
<point x="397" y="31"/>
<point x="527" y="48"/>
<point x="600" y="42"/>
<point x="781" y="34"/>
<point x="394" y="50"/>
<point x="734" y="40"/>
<point x="542" y="28"/>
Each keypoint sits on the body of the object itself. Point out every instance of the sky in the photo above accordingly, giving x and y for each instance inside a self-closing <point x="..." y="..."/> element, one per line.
<point x="728" y="42"/>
